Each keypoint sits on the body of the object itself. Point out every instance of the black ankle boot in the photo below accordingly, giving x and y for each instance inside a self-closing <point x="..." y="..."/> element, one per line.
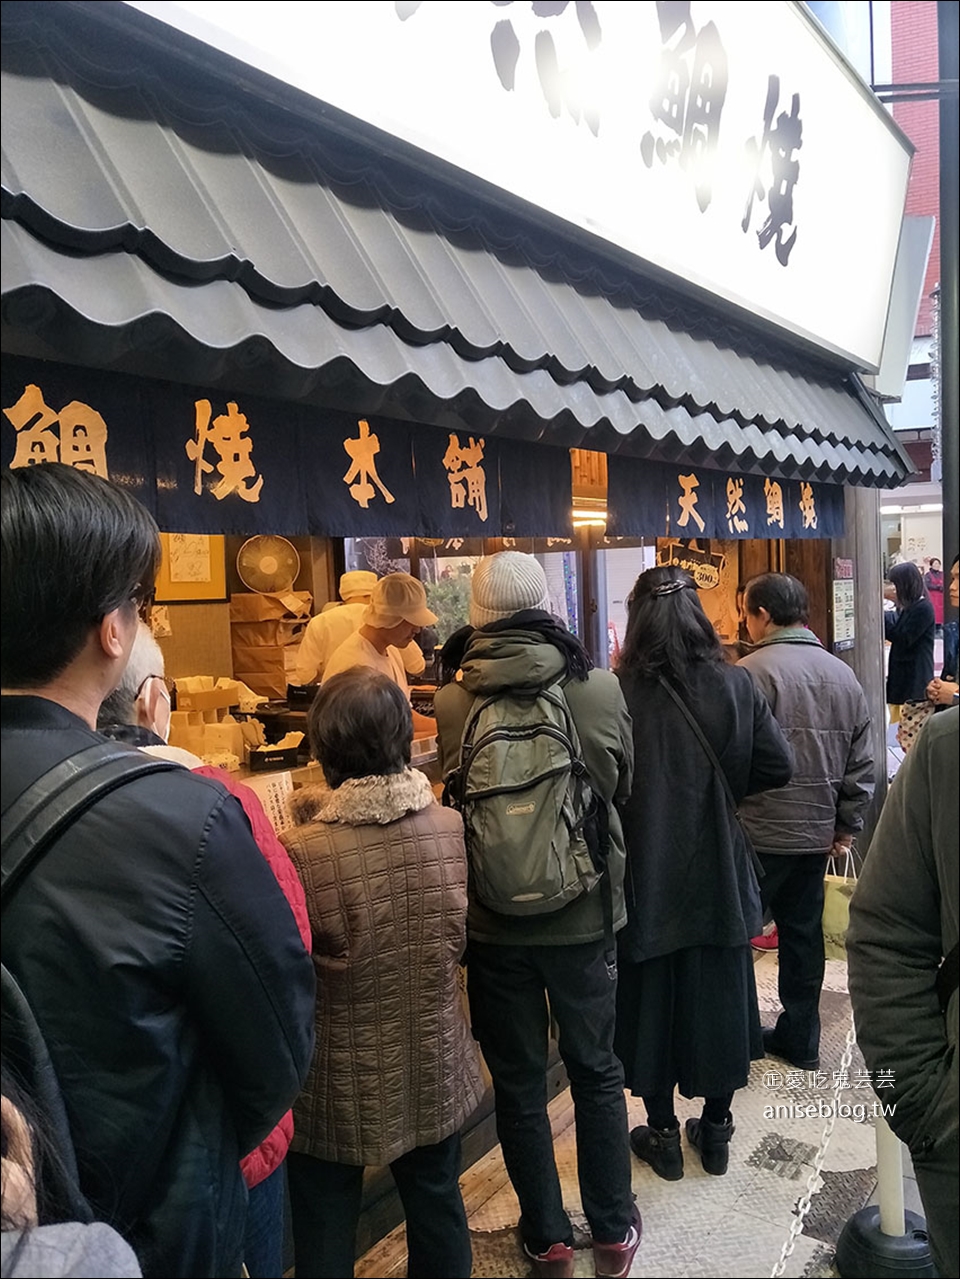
<point x="713" y="1143"/>
<point x="660" y="1148"/>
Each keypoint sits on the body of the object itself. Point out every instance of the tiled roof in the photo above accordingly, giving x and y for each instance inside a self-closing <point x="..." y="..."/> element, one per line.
<point x="160" y="221"/>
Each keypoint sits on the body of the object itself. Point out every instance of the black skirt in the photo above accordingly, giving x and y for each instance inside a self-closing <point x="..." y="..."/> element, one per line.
<point x="688" y="1020"/>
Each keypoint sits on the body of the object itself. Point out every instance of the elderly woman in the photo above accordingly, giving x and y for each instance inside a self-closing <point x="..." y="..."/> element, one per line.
<point x="704" y="738"/>
<point x="395" y="1071"/>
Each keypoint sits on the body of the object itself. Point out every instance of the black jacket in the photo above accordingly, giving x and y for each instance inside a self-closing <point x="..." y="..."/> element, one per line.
<point x="690" y="877"/>
<point x="910" y="669"/>
<point x="167" y="974"/>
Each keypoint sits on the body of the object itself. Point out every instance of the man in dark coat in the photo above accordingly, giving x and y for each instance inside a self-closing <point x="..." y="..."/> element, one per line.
<point x="821" y="709"/>
<point x="152" y="940"/>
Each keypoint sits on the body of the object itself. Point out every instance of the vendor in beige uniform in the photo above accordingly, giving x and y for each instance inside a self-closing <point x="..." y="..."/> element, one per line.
<point x="396" y="614"/>
<point x="327" y="631"/>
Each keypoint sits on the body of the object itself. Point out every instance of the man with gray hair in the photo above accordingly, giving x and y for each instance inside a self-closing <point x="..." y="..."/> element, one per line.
<point x="138" y="709"/>
<point x="822" y="711"/>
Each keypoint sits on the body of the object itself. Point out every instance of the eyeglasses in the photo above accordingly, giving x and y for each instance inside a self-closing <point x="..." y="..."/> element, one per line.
<point x="144" y="605"/>
<point x="146" y="680"/>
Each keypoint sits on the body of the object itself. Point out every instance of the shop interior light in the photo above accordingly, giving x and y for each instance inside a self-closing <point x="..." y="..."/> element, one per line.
<point x="588" y="515"/>
<point x="925" y="508"/>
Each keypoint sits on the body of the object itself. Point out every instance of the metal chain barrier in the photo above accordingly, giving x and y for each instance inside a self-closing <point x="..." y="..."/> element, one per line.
<point x="813" y="1181"/>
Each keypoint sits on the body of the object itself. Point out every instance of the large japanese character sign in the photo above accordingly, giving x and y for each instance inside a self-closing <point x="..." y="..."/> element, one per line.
<point x="688" y="97"/>
<point x="560" y="32"/>
<point x="775" y="172"/>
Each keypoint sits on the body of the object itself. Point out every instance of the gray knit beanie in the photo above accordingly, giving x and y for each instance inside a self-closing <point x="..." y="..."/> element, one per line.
<point x="504" y="584"/>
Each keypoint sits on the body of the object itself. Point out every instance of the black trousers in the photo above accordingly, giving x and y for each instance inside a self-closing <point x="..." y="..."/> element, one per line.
<point x="325" y="1208"/>
<point x="509" y="987"/>
<point x="792" y="890"/>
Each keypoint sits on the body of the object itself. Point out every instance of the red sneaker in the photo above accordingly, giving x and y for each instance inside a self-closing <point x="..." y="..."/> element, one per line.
<point x="555" y="1263"/>
<point x="766" y="941"/>
<point x="613" y="1260"/>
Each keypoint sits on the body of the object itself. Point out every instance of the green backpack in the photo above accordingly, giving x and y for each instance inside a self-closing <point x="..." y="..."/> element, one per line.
<point x="534" y="829"/>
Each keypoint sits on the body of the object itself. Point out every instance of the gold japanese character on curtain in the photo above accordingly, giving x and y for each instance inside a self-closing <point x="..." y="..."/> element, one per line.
<point x="688" y="502"/>
<point x="468" y="482"/>
<point x="76" y="436"/>
<point x="774" y="495"/>
<point x="808" y="505"/>
<point x="362" y="475"/>
<point x="737" y="520"/>
<point x="227" y="436"/>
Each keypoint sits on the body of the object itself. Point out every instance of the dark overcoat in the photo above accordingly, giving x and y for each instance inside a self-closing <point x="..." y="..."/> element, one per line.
<point x="910" y="669"/>
<point x="690" y="874"/>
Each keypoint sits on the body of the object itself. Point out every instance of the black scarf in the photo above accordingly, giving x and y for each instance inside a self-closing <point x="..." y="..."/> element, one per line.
<point x="535" y="620"/>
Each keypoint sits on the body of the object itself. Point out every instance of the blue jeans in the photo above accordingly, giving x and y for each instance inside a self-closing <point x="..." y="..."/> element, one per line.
<point x="325" y="1200"/>
<point x="508" y="988"/>
<point x="263" y="1233"/>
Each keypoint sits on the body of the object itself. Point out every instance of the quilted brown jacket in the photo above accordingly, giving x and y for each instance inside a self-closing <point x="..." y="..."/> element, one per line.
<point x="385" y="875"/>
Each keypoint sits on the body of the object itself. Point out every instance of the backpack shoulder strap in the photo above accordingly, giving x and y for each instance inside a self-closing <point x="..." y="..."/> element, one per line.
<point x="35" y="819"/>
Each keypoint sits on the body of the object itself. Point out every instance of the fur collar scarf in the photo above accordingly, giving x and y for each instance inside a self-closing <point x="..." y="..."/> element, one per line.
<point x="364" y="801"/>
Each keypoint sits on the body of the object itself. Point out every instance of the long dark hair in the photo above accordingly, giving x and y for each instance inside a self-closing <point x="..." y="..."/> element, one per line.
<point x="908" y="583"/>
<point x="667" y="629"/>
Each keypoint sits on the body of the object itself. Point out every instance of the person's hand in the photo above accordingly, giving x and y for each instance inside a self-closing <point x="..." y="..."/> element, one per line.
<point x="841" y="845"/>
<point x="942" y="691"/>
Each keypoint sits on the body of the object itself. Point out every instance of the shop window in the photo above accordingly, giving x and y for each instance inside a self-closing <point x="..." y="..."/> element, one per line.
<point x="445" y="566"/>
<point x="619" y="563"/>
<point x="380" y="555"/>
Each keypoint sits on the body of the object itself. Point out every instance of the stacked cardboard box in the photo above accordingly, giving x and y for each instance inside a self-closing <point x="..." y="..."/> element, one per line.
<point x="202" y="722"/>
<point x="265" y="632"/>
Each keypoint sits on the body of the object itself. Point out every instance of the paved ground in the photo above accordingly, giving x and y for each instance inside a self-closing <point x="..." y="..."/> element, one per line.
<point x="734" y="1225"/>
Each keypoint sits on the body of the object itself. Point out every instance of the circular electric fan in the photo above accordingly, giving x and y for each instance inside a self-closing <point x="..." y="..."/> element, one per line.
<point x="267" y="564"/>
